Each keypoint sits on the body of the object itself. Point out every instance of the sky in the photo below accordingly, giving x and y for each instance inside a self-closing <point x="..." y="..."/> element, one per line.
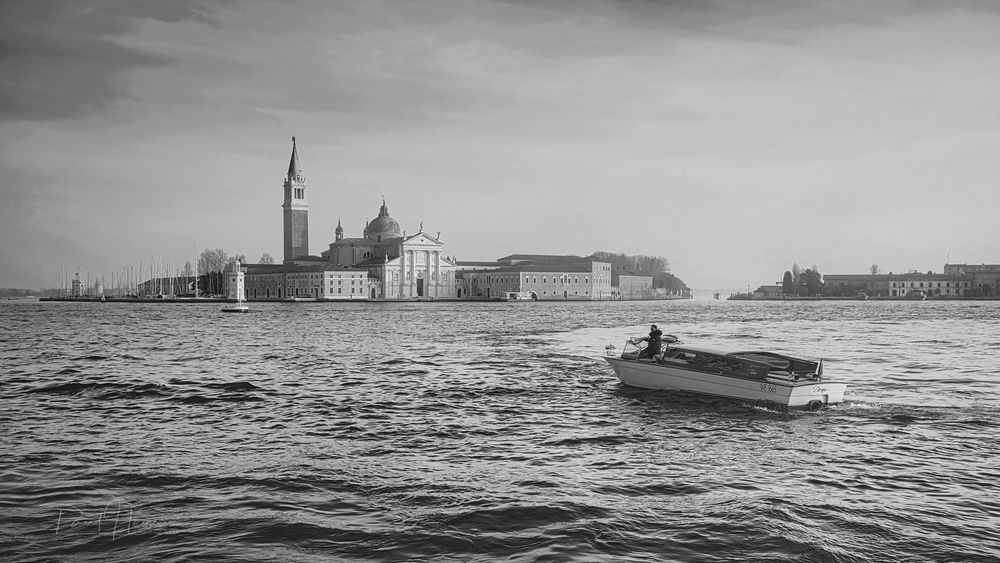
<point x="732" y="138"/>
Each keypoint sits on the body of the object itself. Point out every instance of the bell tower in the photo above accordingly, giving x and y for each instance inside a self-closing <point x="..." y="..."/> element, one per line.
<point x="296" y="209"/>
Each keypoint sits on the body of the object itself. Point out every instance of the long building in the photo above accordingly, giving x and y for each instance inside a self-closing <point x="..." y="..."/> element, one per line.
<point x="322" y="281"/>
<point x="958" y="280"/>
<point x="545" y="278"/>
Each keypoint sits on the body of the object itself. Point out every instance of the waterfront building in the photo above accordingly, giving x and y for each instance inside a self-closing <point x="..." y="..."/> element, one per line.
<point x="985" y="277"/>
<point x="853" y="284"/>
<point x="322" y="281"/>
<point x="629" y="285"/>
<point x="903" y="285"/>
<point x="964" y="269"/>
<point x="958" y="280"/>
<point x="295" y="209"/>
<point x="543" y="277"/>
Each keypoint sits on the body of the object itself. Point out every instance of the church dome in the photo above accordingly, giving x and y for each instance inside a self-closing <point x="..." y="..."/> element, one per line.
<point x="383" y="226"/>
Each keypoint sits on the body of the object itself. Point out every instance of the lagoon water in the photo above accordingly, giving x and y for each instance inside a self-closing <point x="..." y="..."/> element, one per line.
<point x="489" y="431"/>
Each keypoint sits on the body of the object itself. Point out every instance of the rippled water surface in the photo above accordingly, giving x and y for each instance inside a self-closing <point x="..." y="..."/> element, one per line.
<point x="486" y="431"/>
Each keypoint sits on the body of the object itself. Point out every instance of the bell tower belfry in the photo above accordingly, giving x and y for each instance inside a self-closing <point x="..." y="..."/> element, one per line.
<point x="296" y="209"/>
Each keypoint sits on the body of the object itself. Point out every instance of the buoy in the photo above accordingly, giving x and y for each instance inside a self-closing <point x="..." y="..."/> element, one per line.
<point x="815" y="405"/>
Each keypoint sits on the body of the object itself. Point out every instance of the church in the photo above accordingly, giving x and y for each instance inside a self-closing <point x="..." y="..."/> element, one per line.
<point x="398" y="266"/>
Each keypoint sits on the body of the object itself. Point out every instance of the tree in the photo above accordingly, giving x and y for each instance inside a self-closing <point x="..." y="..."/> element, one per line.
<point x="188" y="271"/>
<point x="670" y="282"/>
<point x="640" y="264"/>
<point x="657" y="267"/>
<point x="874" y="269"/>
<point x="787" y="284"/>
<point x="212" y="260"/>
<point x="812" y="281"/>
<point x="266" y="259"/>
<point x="211" y="264"/>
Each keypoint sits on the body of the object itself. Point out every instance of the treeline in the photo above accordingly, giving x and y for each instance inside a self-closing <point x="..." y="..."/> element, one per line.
<point x="644" y="265"/>
<point x="801" y="283"/>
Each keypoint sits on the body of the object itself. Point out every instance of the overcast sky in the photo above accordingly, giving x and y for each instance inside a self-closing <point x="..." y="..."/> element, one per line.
<point x="733" y="138"/>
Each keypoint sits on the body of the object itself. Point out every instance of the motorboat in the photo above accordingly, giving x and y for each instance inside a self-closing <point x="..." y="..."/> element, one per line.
<point x="753" y="375"/>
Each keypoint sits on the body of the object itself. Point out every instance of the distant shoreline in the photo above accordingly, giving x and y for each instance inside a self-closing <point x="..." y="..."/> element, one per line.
<point x="188" y="300"/>
<point x="870" y="298"/>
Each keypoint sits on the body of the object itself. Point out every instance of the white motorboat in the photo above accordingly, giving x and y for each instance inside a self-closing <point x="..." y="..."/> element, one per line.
<point x="741" y="374"/>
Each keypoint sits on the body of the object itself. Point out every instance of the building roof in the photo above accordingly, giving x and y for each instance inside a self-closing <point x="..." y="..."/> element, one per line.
<point x="543" y="268"/>
<point x="296" y="268"/>
<point x="513" y="258"/>
<point x="915" y="276"/>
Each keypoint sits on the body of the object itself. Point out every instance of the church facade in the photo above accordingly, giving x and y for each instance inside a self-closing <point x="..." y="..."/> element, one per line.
<point x="398" y="266"/>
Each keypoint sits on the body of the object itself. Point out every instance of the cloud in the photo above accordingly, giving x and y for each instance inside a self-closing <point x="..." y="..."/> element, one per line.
<point x="61" y="60"/>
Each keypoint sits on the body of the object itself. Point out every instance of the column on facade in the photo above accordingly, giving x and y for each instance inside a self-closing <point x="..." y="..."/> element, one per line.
<point x="403" y="264"/>
<point x="427" y="273"/>
<point x="411" y="274"/>
<point x="437" y="272"/>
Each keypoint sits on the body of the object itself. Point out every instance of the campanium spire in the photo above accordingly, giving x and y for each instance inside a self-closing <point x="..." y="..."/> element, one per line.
<point x="294" y="168"/>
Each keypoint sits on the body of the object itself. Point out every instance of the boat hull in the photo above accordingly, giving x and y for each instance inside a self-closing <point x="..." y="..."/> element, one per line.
<point x="654" y="375"/>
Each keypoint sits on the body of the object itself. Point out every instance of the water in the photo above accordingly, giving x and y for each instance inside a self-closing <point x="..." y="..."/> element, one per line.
<point x="487" y="431"/>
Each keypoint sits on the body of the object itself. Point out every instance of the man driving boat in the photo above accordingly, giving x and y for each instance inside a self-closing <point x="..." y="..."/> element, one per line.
<point x="655" y="340"/>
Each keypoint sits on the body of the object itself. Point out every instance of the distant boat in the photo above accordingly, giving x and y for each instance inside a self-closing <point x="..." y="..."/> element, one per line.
<point x="519" y="296"/>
